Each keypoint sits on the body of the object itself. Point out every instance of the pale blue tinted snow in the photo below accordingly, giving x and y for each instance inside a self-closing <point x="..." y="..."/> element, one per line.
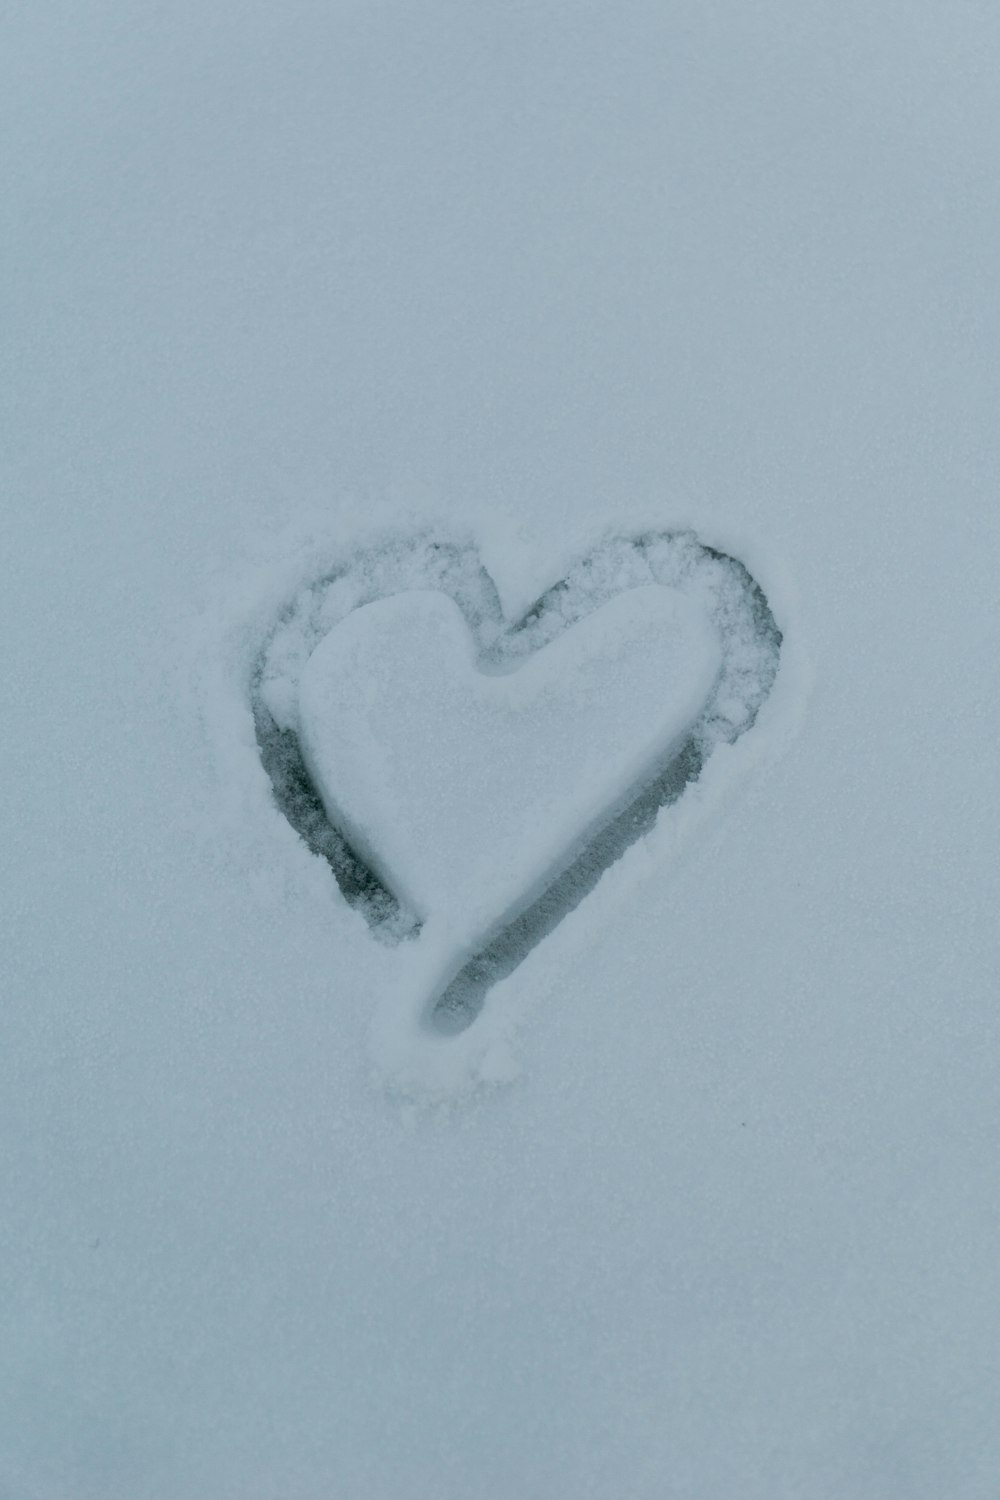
<point x="277" y="276"/>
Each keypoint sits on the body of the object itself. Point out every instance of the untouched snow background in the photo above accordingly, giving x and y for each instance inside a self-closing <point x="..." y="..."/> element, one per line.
<point x="280" y="274"/>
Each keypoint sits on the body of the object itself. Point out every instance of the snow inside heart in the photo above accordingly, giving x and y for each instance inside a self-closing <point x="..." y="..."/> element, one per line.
<point x="468" y="778"/>
<point x="468" y="790"/>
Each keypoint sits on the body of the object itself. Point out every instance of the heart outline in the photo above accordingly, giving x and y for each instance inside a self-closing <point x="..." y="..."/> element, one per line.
<point x="673" y="558"/>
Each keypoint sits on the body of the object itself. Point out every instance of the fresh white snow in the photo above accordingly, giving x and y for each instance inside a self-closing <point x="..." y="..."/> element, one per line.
<point x="704" y="1203"/>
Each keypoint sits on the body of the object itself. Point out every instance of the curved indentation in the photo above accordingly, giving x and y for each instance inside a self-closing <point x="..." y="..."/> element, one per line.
<point x="296" y="795"/>
<point x="751" y="643"/>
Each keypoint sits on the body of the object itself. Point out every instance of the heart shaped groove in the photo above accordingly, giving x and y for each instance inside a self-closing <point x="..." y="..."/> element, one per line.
<point x="729" y="600"/>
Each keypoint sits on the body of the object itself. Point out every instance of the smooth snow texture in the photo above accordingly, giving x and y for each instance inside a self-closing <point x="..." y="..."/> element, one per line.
<point x="467" y="791"/>
<point x="281" y="283"/>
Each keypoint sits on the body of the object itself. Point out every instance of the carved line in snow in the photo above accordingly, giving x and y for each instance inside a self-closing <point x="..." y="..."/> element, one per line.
<point x="734" y="603"/>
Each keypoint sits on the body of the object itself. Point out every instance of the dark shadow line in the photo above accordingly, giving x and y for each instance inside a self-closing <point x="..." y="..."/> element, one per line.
<point x="464" y="996"/>
<point x="298" y="800"/>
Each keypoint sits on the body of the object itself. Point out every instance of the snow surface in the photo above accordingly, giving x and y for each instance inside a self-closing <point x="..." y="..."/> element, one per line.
<point x="720" y="1216"/>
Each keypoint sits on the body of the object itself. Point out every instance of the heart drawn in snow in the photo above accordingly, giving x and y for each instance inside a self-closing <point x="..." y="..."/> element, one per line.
<point x="469" y="779"/>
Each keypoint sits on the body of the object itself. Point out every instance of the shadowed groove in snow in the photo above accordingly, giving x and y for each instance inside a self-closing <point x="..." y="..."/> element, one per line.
<point x="751" y="643"/>
<point x="463" y="998"/>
